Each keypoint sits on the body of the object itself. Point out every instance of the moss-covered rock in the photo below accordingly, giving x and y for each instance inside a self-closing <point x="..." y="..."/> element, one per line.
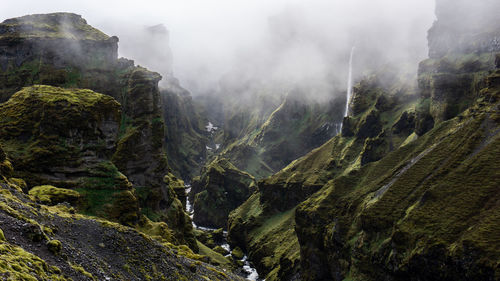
<point x="423" y="211"/>
<point x="237" y="253"/>
<point x="265" y="224"/>
<point x="54" y="246"/>
<point x="186" y="138"/>
<point x="222" y="188"/>
<point x="52" y="195"/>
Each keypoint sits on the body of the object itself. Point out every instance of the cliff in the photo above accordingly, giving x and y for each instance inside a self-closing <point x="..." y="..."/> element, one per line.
<point x="62" y="50"/>
<point x="40" y="242"/>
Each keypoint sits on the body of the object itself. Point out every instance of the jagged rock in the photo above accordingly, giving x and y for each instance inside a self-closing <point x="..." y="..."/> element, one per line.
<point x="370" y="125"/>
<point x="61" y="49"/>
<point x="264" y="226"/>
<point x="375" y="148"/>
<point x="64" y="133"/>
<point x="405" y="124"/>
<point x="224" y="188"/>
<point x="407" y="195"/>
<point x="51" y="49"/>
<point x="461" y="54"/>
<point x="185" y="136"/>
<point x="464" y="27"/>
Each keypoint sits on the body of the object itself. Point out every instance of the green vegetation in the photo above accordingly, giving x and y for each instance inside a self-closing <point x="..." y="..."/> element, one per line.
<point x="55" y="25"/>
<point x="54" y="246"/>
<point x="52" y="195"/>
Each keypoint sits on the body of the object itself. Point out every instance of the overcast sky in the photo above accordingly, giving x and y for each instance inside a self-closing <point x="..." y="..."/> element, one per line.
<point x="211" y="37"/>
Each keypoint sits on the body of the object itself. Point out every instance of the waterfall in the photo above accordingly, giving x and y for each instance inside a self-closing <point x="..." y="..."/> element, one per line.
<point x="349" y="84"/>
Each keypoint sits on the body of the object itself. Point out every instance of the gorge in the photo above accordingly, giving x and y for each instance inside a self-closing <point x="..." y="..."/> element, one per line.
<point x="278" y="170"/>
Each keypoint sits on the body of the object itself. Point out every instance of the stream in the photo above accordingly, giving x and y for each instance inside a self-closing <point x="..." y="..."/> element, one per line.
<point x="251" y="272"/>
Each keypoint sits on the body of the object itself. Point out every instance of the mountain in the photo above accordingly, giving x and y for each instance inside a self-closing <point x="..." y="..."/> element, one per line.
<point x="83" y="146"/>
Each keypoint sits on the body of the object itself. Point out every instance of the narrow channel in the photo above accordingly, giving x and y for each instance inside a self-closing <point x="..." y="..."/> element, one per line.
<point x="248" y="269"/>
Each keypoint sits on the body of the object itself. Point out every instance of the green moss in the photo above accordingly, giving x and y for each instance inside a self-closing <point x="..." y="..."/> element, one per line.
<point x="22" y="265"/>
<point x="54" y="246"/>
<point x="81" y="270"/>
<point x="55" y="25"/>
<point x="237" y="253"/>
<point x="52" y="195"/>
<point x="428" y="200"/>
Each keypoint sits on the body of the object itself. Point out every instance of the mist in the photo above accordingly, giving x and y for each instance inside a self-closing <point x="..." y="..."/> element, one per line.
<point x="244" y="45"/>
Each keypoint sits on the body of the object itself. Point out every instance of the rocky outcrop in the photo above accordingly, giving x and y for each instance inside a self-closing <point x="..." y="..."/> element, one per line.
<point x="221" y="188"/>
<point x="39" y="242"/>
<point x="65" y="138"/>
<point x="265" y="224"/>
<point x="462" y="47"/>
<point x="186" y="138"/>
<point x="61" y="49"/>
<point x="464" y="27"/>
<point x="423" y="212"/>
<point x="58" y="49"/>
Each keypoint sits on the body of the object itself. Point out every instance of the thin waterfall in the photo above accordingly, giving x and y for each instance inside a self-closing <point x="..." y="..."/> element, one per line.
<point x="349" y="91"/>
<point x="349" y="84"/>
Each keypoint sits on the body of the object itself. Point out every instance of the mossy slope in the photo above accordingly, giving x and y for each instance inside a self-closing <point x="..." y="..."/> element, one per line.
<point x="221" y="188"/>
<point x="38" y="242"/>
<point x="426" y="211"/>
<point x="380" y="115"/>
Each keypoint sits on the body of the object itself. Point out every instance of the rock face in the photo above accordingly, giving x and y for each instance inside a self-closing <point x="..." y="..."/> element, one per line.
<point x="220" y="190"/>
<point x="464" y="27"/>
<point x="51" y="49"/>
<point x="462" y="46"/>
<point x="65" y="137"/>
<point x="63" y="50"/>
<point x="185" y="135"/>
<point x="39" y="242"/>
<point x="294" y="127"/>
<point x="265" y="224"/>
<point x="423" y="212"/>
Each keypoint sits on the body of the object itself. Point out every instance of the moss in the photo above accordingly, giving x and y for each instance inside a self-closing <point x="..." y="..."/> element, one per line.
<point x="52" y="195"/>
<point x="55" y="246"/>
<point x="2" y="236"/>
<point x="237" y="253"/>
<point x="420" y="203"/>
<point x="22" y="265"/>
<point x="220" y="250"/>
<point x="55" y="25"/>
<point x="216" y="258"/>
<point x="81" y="270"/>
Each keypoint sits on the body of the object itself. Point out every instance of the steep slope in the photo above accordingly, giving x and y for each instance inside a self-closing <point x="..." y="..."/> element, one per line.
<point x="186" y="138"/>
<point x="65" y="138"/>
<point x="221" y="188"/>
<point x="293" y="128"/>
<point x="264" y="225"/>
<point x="39" y="242"/>
<point x="61" y="49"/>
<point x="426" y="211"/>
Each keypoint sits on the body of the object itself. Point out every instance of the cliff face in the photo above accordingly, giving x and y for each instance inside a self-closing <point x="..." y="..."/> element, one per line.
<point x="265" y="224"/>
<point x="464" y="27"/>
<point x="52" y="49"/>
<point x="462" y="46"/>
<point x="186" y="138"/>
<point x="63" y="50"/>
<point x="221" y="188"/>
<point x="39" y="242"/>
<point x="427" y="211"/>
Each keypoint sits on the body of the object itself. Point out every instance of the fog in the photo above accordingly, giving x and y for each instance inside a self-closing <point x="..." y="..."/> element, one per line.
<point x="295" y="43"/>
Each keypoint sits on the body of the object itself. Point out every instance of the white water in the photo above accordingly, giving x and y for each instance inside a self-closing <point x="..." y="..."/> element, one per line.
<point x="250" y="271"/>
<point x="210" y="127"/>
<point x="349" y="84"/>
